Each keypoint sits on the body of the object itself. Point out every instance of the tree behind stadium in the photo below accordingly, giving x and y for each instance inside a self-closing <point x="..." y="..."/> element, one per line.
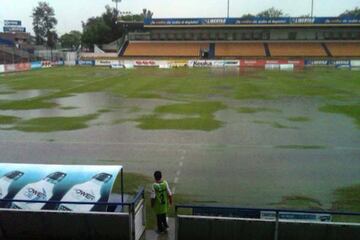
<point x="355" y="13"/>
<point x="44" y="23"/>
<point x="271" y="13"/>
<point x="107" y="27"/>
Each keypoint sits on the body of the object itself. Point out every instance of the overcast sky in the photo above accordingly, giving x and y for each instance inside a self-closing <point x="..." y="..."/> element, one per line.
<point x="70" y="13"/>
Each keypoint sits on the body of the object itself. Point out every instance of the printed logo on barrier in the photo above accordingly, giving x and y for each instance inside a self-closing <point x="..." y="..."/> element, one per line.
<point x="32" y="193"/>
<point x="203" y="63"/>
<point x="84" y="194"/>
<point x="46" y="64"/>
<point x="82" y="62"/>
<point x="146" y="63"/>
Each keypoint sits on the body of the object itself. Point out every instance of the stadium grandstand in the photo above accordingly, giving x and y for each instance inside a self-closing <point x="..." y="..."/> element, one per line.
<point x="221" y="38"/>
<point x="16" y="48"/>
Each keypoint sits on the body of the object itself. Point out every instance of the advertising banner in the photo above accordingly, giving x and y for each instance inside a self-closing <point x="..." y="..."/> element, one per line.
<point x="296" y="63"/>
<point x="252" y="21"/>
<point x="270" y="63"/>
<point x="340" y="63"/>
<point x="337" y="63"/>
<point x="65" y="183"/>
<point x="2" y="68"/>
<point x="70" y="63"/>
<point x="85" y="62"/>
<point x="148" y="63"/>
<point x="10" y="68"/>
<point x="117" y="65"/>
<point x="105" y="62"/>
<point x="14" y="29"/>
<point x="271" y="66"/>
<point x="316" y="62"/>
<point x="12" y="23"/>
<point x="22" y="67"/>
<point x="253" y="63"/>
<point x="36" y="65"/>
<point x="355" y="63"/>
<point x="46" y="64"/>
<point x="231" y="63"/>
<point x="313" y="217"/>
<point x="214" y="63"/>
<point x="178" y="63"/>
<point x="58" y="63"/>
<point x="201" y="63"/>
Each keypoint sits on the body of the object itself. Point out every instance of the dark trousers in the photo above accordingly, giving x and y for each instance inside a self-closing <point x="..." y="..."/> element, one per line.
<point x="161" y="222"/>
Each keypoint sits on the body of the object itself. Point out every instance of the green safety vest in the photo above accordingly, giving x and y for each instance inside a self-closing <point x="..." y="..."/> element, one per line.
<point x="161" y="198"/>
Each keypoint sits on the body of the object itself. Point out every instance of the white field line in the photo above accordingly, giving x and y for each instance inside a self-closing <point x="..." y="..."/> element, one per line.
<point x="178" y="172"/>
<point x="169" y="144"/>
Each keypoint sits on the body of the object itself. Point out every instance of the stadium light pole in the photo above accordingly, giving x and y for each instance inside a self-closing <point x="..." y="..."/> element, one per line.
<point x="228" y="8"/>
<point x="117" y="2"/>
<point x="312" y="8"/>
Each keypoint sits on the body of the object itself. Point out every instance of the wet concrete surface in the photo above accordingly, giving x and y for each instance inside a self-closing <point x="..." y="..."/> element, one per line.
<point x="169" y="235"/>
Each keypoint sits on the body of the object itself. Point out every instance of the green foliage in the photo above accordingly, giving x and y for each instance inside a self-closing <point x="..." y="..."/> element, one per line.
<point x="44" y="23"/>
<point x="94" y="31"/>
<point x="103" y="29"/>
<point x="108" y="27"/>
<point x="248" y="15"/>
<point x="146" y="14"/>
<point x="355" y="13"/>
<point x="71" y="40"/>
<point x="271" y="13"/>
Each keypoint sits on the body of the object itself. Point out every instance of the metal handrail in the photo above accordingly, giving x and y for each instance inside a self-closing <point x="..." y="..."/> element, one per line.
<point x="138" y="196"/>
<point x="269" y="209"/>
<point x="133" y="201"/>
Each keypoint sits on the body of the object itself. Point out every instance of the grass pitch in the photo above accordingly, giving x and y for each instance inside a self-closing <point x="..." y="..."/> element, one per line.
<point x="267" y="134"/>
<point x="196" y="88"/>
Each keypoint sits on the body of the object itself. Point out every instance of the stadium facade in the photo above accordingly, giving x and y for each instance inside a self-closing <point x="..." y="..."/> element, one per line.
<point x="213" y="38"/>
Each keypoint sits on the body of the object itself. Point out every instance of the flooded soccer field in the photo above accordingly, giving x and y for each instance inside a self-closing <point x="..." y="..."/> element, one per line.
<point x="221" y="136"/>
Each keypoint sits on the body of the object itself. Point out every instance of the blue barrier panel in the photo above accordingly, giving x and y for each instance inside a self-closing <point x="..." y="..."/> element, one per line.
<point x="85" y="62"/>
<point x="337" y="63"/>
<point x="252" y="21"/>
<point x="36" y="65"/>
<point x="227" y="212"/>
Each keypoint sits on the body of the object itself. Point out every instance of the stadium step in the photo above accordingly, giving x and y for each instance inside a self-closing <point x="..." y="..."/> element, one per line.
<point x="170" y="235"/>
<point x="326" y="50"/>
<point x="267" y="50"/>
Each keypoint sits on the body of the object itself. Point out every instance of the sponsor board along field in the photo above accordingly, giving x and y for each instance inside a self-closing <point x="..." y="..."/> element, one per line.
<point x="221" y="136"/>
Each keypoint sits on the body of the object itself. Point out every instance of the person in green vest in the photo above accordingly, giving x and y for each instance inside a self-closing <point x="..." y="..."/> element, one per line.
<point x="161" y="200"/>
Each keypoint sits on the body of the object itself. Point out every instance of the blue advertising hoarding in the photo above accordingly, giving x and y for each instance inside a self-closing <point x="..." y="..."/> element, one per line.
<point x="36" y="65"/>
<point x="12" y="23"/>
<point x="64" y="183"/>
<point x="337" y="63"/>
<point x="251" y="21"/>
<point x="85" y="62"/>
<point x="14" y="29"/>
